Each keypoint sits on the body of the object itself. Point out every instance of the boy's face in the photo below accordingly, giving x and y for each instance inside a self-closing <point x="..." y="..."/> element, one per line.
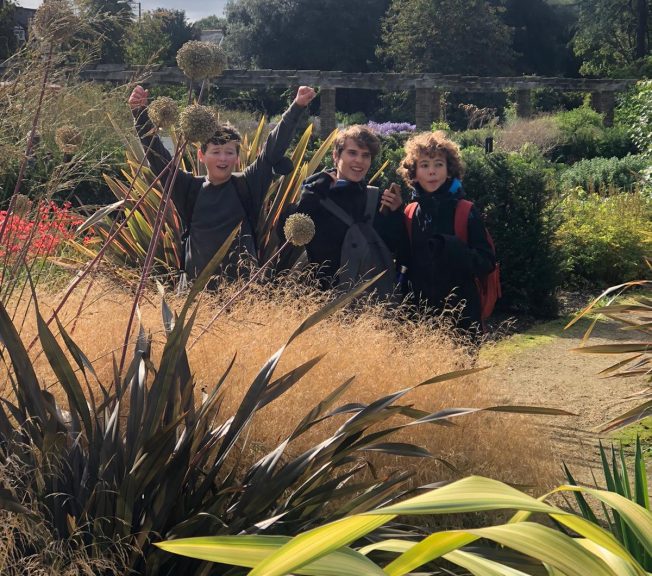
<point x="220" y="161"/>
<point x="353" y="162"/>
<point x="431" y="173"/>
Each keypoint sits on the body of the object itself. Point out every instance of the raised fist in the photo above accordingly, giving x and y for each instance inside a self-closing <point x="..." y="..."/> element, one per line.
<point x="139" y="98"/>
<point x="305" y="95"/>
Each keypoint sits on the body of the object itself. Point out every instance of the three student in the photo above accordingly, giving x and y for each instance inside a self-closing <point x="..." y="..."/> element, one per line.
<point x="360" y="231"/>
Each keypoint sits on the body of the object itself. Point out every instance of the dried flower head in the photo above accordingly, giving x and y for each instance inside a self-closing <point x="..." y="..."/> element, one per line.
<point x="198" y="123"/>
<point x="164" y="112"/>
<point x="55" y="20"/>
<point x="299" y="229"/>
<point x="68" y="139"/>
<point x="219" y="60"/>
<point x="199" y="60"/>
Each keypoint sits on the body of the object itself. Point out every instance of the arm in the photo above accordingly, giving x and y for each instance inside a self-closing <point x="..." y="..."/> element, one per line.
<point x="476" y="258"/>
<point x="259" y="173"/>
<point x="159" y="158"/>
<point x="388" y="221"/>
<point x="313" y="190"/>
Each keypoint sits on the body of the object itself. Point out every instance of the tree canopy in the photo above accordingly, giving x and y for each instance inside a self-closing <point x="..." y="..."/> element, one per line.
<point x="158" y="36"/>
<point x="613" y="36"/>
<point x="290" y="34"/>
<point x="447" y="36"/>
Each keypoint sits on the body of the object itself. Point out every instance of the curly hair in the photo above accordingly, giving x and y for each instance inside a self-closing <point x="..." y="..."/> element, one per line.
<point x="225" y="133"/>
<point x="430" y="144"/>
<point x="361" y="135"/>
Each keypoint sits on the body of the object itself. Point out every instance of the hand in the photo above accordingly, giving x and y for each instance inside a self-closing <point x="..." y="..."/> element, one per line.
<point x="320" y="183"/>
<point x="391" y="199"/>
<point x="139" y="98"/>
<point x="305" y="95"/>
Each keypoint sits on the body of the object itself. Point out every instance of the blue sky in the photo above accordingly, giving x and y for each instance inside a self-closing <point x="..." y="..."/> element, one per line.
<point x="195" y="9"/>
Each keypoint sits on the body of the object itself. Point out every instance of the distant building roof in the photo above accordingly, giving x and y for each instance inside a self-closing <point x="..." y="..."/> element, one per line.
<point x="212" y="36"/>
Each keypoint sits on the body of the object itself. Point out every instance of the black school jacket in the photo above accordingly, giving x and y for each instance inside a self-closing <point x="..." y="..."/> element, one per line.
<point x="325" y="248"/>
<point x="441" y="267"/>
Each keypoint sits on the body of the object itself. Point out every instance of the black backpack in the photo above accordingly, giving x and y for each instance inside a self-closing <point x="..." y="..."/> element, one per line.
<point x="364" y="254"/>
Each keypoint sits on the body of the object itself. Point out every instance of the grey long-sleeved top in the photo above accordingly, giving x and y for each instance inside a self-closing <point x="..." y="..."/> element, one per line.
<point x="214" y="211"/>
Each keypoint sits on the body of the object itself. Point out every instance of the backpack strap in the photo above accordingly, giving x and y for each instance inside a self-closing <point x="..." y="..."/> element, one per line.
<point x="462" y="211"/>
<point x="337" y="211"/>
<point x="408" y="216"/>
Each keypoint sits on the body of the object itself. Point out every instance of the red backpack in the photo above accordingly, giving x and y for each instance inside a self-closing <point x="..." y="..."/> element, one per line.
<point x="489" y="285"/>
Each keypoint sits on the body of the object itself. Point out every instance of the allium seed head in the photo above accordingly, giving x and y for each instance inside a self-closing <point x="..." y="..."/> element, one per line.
<point x="54" y="20"/>
<point x="199" y="60"/>
<point x="299" y="229"/>
<point x="68" y="139"/>
<point x="164" y="112"/>
<point x="198" y="123"/>
<point x="219" y="60"/>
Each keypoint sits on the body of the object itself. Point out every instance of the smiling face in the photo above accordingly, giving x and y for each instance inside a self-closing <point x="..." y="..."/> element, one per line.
<point x="352" y="162"/>
<point x="431" y="172"/>
<point x="220" y="161"/>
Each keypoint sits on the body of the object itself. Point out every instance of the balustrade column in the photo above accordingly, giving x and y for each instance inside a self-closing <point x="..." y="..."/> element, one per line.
<point x="327" y="119"/>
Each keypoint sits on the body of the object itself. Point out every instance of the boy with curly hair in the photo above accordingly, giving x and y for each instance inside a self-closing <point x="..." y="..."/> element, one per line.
<point x="441" y="267"/>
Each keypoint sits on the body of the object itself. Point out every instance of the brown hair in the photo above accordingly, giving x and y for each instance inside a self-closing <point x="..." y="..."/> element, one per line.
<point x="225" y="133"/>
<point x="430" y="144"/>
<point x="361" y="135"/>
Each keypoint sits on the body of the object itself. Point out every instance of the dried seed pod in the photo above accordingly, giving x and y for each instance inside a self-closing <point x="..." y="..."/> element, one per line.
<point x="299" y="229"/>
<point x="68" y="138"/>
<point x="163" y="112"/>
<point x="198" y="123"/>
<point x="199" y="60"/>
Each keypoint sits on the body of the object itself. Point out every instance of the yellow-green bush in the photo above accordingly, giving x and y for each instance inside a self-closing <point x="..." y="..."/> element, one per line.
<point x="603" y="239"/>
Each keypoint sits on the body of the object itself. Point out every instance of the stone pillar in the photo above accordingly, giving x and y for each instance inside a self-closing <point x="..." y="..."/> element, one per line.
<point x="327" y="119"/>
<point x="523" y="103"/>
<point x="424" y="108"/>
<point x="436" y="106"/>
<point x="604" y="103"/>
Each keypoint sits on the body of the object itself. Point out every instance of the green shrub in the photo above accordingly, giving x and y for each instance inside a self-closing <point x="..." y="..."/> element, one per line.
<point x="616" y="141"/>
<point x="635" y="113"/>
<point x="581" y="130"/>
<point x="597" y="174"/>
<point x="514" y="193"/>
<point x="603" y="239"/>
<point x="477" y="137"/>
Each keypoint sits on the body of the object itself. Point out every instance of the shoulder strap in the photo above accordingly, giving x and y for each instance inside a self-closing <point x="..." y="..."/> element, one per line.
<point x="408" y="216"/>
<point x="189" y="208"/>
<point x="240" y="183"/>
<point x="371" y="203"/>
<point x="462" y="211"/>
<point x="334" y="209"/>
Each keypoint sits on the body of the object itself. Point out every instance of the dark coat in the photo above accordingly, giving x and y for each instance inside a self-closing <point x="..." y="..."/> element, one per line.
<point x="325" y="248"/>
<point x="441" y="267"/>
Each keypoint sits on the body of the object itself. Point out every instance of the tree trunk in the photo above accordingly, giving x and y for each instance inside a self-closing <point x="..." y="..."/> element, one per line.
<point x="641" y="28"/>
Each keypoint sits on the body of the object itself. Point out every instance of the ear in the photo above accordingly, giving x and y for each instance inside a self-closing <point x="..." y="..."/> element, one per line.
<point x="335" y="156"/>
<point x="200" y="155"/>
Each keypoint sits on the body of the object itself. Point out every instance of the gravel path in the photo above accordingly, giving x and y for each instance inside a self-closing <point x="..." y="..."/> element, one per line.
<point x="539" y="368"/>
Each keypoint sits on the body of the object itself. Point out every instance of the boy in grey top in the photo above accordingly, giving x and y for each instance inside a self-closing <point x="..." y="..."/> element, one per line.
<point x="212" y="206"/>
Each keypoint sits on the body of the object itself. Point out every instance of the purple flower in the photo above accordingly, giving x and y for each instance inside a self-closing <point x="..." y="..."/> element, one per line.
<point x="387" y="128"/>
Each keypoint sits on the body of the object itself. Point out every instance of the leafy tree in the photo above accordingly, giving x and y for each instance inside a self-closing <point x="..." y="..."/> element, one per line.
<point x="303" y="33"/>
<point x="541" y="36"/>
<point x="109" y="20"/>
<point x="7" y="38"/>
<point x="613" y="36"/>
<point x="447" y="36"/>
<point x="211" y="22"/>
<point x="158" y="36"/>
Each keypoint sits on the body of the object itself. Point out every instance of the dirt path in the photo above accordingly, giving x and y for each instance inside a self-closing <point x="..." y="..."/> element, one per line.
<point x="538" y="367"/>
